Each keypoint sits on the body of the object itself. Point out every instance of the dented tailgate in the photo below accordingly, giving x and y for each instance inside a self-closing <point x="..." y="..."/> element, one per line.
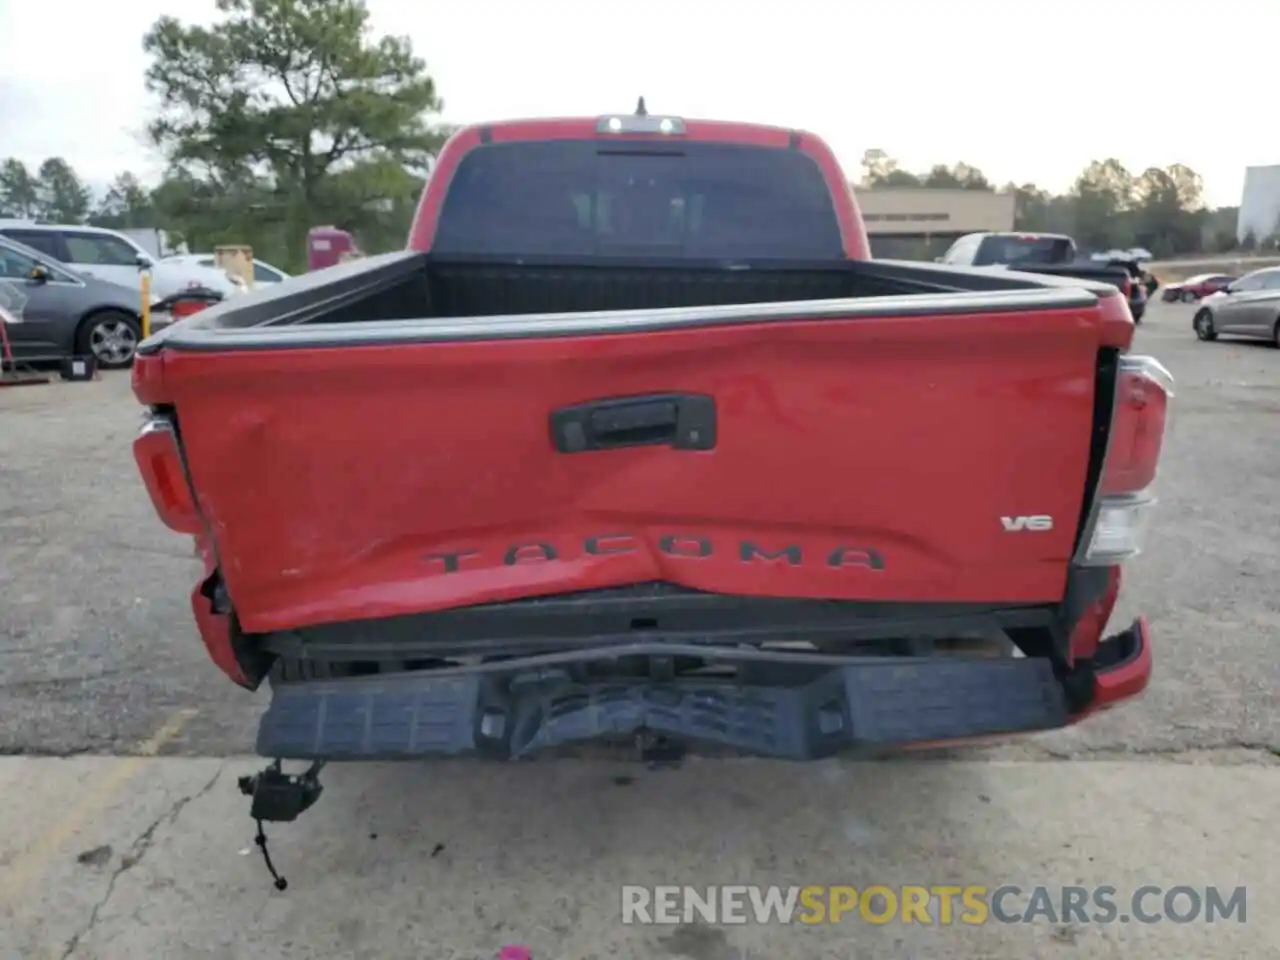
<point x="857" y="453"/>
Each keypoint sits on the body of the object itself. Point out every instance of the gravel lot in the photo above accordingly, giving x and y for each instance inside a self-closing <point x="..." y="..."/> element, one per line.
<point x="98" y="656"/>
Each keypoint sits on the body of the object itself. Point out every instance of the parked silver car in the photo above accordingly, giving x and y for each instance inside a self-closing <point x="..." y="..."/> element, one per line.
<point x="55" y="311"/>
<point x="1248" y="307"/>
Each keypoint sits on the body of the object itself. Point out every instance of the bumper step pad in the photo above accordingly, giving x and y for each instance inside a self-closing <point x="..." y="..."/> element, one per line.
<point x="876" y="703"/>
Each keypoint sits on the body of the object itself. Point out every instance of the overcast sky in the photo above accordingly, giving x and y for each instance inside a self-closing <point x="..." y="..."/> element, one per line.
<point x="1023" y="90"/>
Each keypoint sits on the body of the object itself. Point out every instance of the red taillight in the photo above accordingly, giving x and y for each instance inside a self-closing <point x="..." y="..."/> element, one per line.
<point x="1137" y="430"/>
<point x="1140" y="415"/>
<point x="160" y="463"/>
<point x="185" y="308"/>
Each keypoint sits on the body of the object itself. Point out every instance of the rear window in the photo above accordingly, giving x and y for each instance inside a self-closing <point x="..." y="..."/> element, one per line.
<point x="46" y="241"/>
<point x="1023" y="250"/>
<point x="100" y="249"/>
<point x="698" y="200"/>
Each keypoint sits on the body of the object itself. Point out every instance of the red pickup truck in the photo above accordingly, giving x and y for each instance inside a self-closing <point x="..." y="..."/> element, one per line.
<point x="636" y="442"/>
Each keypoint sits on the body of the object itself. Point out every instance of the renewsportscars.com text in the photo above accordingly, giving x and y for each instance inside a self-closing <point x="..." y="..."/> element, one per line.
<point x="939" y="904"/>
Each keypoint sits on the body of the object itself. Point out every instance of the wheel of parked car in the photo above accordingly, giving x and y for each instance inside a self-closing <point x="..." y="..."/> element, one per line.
<point x="1189" y="296"/>
<point x="1203" y="324"/>
<point x="111" y="336"/>
<point x="1275" y="335"/>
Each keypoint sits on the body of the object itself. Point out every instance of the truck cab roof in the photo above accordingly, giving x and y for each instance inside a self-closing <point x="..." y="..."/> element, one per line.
<point x="632" y="126"/>
<point x="669" y="135"/>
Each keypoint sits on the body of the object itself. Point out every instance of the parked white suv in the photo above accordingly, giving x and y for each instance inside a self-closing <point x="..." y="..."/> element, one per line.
<point x="112" y="256"/>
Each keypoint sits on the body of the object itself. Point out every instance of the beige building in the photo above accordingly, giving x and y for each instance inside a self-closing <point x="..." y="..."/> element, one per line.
<point x="922" y="221"/>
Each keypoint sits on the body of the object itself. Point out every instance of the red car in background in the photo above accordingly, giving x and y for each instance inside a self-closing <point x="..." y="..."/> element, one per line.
<point x="1196" y="288"/>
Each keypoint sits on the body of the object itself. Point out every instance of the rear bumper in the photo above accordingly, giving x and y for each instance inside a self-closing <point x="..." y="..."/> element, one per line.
<point x="1120" y="670"/>
<point x="802" y="709"/>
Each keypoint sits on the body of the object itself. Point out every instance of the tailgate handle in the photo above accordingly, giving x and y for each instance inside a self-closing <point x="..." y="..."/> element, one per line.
<point x="683" y="421"/>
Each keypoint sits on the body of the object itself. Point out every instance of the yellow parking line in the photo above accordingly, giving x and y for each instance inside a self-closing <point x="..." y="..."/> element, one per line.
<point x="95" y="796"/>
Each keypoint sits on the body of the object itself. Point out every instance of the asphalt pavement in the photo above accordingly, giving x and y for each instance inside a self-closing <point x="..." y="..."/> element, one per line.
<point x="143" y="848"/>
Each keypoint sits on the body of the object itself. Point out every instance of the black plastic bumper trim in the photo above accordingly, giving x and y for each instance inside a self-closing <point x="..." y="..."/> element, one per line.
<point x="872" y="703"/>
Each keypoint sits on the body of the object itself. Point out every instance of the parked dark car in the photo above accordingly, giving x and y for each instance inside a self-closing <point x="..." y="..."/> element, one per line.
<point x="1197" y="288"/>
<point x="64" y="313"/>
<point x="1049" y="253"/>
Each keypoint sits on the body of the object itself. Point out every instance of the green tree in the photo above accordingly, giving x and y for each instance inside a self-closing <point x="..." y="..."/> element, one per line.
<point x="1189" y="185"/>
<point x="958" y="176"/>
<point x="19" y="196"/>
<point x="190" y="208"/>
<point x="1102" y="193"/>
<point x="380" y="199"/>
<point x="1218" y="230"/>
<point x="205" y="211"/>
<point x="1158" y="211"/>
<point x="127" y="204"/>
<point x="61" y="196"/>
<point x="881" y="170"/>
<point x="970" y="177"/>
<point x="295" y="95"/>
<point x="1031" y="208"/>
<point x="1169" y="218"/>
<point x="1113" y="177"/>
<point x="898" y="178"/>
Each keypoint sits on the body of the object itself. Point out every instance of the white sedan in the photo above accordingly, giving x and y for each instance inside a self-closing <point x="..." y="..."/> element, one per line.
<point x="262" y="272"/>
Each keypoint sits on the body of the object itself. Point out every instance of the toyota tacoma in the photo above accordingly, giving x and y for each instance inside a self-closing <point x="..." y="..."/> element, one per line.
<point x="635" y="444"/>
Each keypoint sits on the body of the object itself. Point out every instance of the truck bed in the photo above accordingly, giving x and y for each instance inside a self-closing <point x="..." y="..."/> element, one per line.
<point x="417" y="286"/>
